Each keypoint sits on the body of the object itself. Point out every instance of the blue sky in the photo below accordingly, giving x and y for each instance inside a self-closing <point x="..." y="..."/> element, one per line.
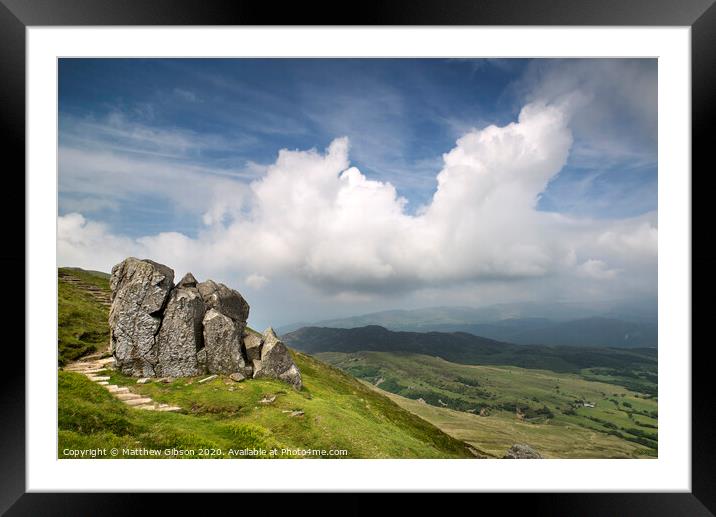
<point x="153" y="146"/>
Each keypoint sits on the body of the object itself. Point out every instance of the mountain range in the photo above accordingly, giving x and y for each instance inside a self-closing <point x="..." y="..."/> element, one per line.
<point x="624" y="324"/>
<point x="465" y="348"/>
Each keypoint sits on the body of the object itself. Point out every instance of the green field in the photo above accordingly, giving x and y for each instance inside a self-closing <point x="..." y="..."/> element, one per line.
<point x="339" y="412"/>
<point x="539" y="407"/>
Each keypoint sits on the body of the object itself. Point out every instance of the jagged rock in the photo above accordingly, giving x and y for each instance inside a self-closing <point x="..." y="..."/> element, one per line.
<point x="222" y="343"/>
<point x="252" y="345"/>
<point x="180" y="336"/>
<point x="187" y="281"/>
<point x="276" y="361"/>
<point x="140" y="289"/>
<point x="161" y="330"/>
<point x="226" y="301"/>
<point x="247" y="371"/>
<point x="201" y="359"/>
<point x="521" y="451"/>
<point x="292" y="376"/>
<point x="237" y="377"/>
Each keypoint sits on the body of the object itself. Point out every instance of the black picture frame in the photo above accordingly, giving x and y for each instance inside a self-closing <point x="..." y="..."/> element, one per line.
<point x="17" y="15"/>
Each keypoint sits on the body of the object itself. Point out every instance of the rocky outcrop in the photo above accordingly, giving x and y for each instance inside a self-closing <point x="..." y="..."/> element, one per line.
<point x="276" y="361"/>
<point x="140" y="289"/>
<point x="521" y="451"/>
<point x="252" y="344"/>
<point x="180" y="335"/>
<point x="161" y="330"/>
<point x="222" y="339"/>
<point x="226" y="301"/>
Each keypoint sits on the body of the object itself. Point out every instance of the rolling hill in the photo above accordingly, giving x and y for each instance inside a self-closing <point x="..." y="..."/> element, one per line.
<point x="464" y="348"/>
<point x="333" y="411"/>
<point x="563" y="415"/>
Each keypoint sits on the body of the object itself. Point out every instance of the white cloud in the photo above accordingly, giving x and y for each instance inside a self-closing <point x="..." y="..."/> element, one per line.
<point x="256" y="281"/>
<point x="598" y="269"/>
<point x="314" y="218"/>
<point x="613" y="105"/>
<point x="89" y="244"/>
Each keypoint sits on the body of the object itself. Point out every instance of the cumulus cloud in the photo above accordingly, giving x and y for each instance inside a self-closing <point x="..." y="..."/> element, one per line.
<point x="89" y="244"/>
<point x="598" y="269"/>
<point x="256" y="281"/>
<point x="613" y="104"/>
<point x="316" y="219"/>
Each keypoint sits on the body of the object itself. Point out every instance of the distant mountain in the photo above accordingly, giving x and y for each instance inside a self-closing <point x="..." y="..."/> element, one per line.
<point x="615" y="324"/>
<point x="582" y="332"/>
<point x="461" y="347"/>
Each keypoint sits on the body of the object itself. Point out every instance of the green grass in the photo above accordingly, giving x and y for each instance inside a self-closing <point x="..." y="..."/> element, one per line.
<point x="90" y="418"/>
<point x="221" y="416"/>
<point x="552" y="415"/>
<point x="96" y="278"/>
<point x="339" y="412"/>
<point x="82" y="322"/>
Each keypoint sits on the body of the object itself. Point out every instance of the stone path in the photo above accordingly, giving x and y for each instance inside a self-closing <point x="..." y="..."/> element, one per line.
<point x="99" y="294"/>
<point x="95" y="368"/>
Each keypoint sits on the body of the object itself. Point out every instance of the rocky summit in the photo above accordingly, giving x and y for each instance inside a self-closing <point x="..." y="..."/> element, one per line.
<point x="158" y="329"/>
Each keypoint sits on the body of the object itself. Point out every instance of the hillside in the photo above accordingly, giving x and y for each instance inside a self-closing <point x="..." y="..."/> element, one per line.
<point x="82" y="313"/>
<point x="635" y="368"/>
<point x="491" y="407"/>
<point x="333" y="411"/>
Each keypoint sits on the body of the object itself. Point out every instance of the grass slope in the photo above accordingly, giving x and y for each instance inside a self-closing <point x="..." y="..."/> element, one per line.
<point x="632" y="368"/>
<point x="552" y="416"/>
<point x="339" y="412"/>
<point x="82" y="322"/>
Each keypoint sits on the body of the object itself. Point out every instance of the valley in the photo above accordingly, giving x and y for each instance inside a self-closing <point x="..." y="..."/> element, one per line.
<point x="563" y="415"/>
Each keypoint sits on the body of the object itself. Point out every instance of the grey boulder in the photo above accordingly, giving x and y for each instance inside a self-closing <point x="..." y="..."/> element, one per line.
<point x="187" y="280"/>
<point x="252" y="345"/>
<point x="226" y="301"/>
<point x="140" y="289"/>
<point x="521" y="451"/>
<point x="180" y="335"/>
<point x="276" y="361"/>
<point x="222" y="343"/>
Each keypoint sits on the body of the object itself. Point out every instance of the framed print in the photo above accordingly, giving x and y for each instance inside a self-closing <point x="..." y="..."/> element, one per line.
<point x="413" y="247"/>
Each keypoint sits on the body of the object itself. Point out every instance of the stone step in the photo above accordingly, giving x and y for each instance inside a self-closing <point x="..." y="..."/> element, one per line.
<point x="113" y="388"/>
<point x="96" y="378"/>
<point x="103" y="383"/>
<point x="150" y="407"/>
<point x="92" y="362"/>
<point x="128" y="395"/>
<point x="137" y="402"/>
<point x="169" y="408"/>
<point x="106" y="360"/>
